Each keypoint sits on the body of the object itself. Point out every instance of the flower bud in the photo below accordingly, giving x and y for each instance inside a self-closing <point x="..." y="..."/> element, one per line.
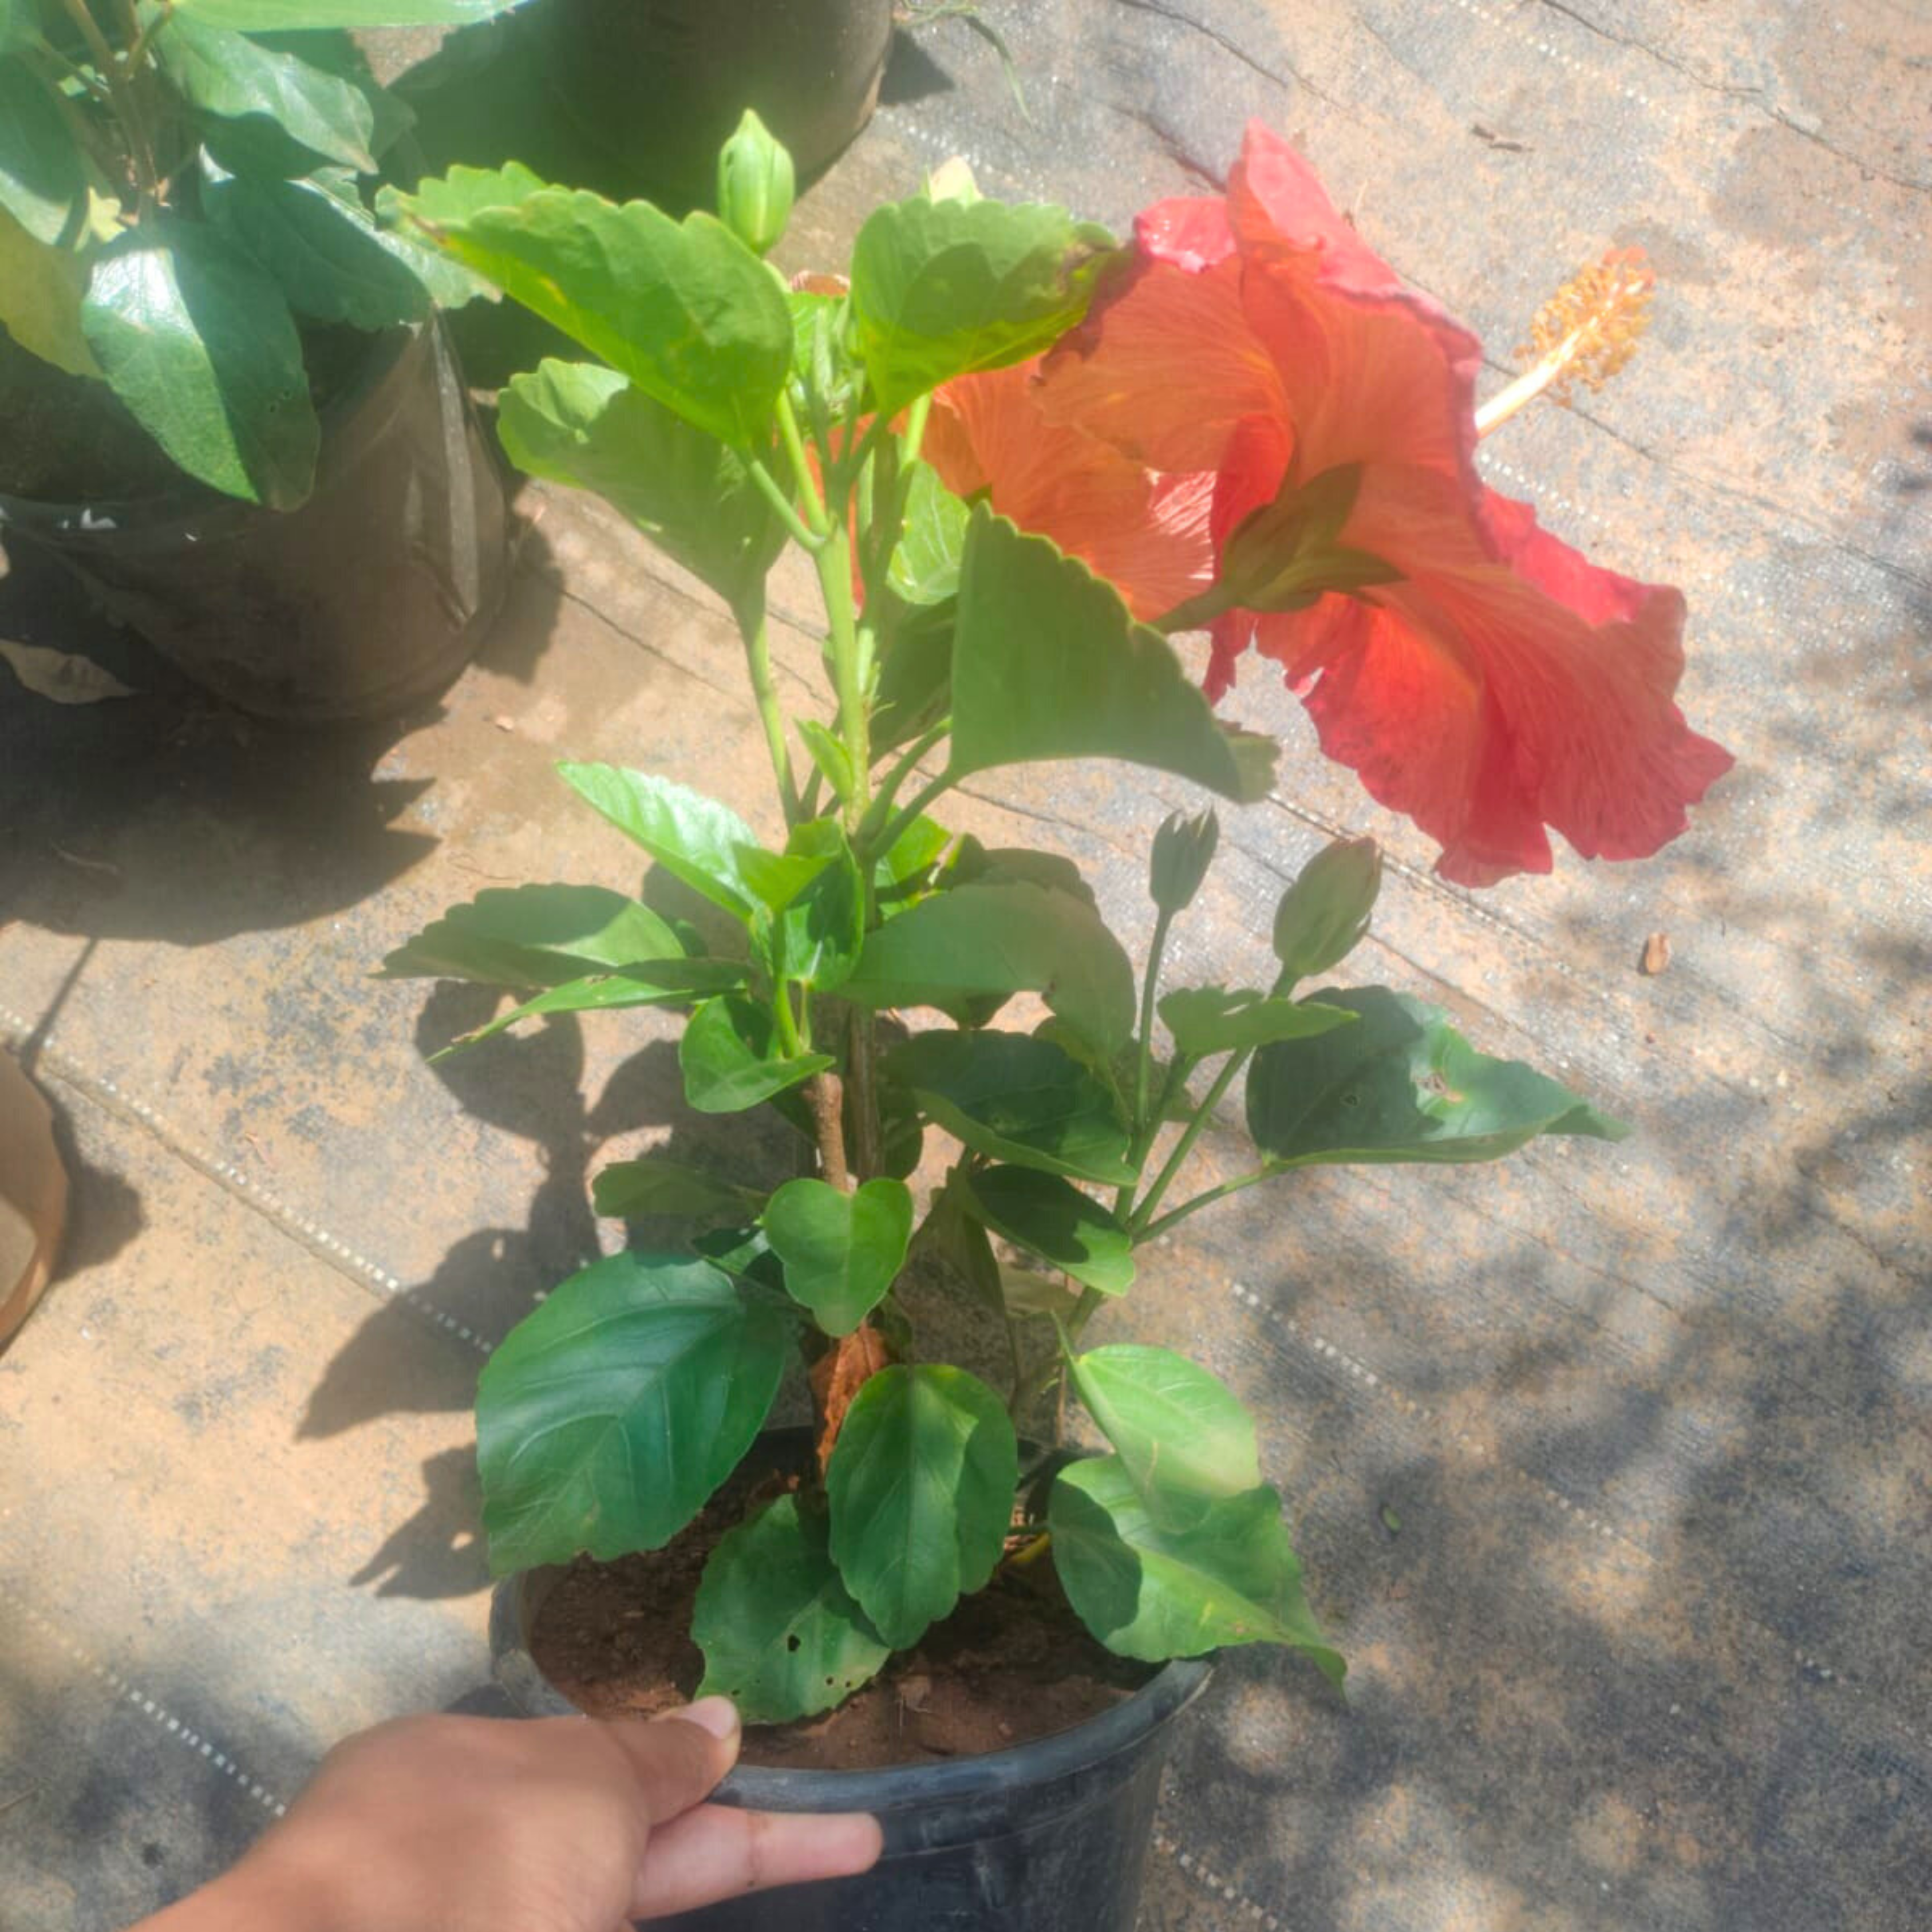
<point x="755" y="184"/>
<point x="1183" y="848"/>
<point x="1325" y="912"/>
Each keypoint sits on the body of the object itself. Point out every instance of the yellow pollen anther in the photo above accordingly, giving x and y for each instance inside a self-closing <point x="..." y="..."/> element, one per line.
<point x="1585" y="333"/>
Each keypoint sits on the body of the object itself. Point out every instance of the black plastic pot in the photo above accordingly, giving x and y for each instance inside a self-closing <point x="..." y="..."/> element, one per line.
<point x="372" y="595"/>
<point x="1048" y="1837"/>
<point x="659" y="84"/>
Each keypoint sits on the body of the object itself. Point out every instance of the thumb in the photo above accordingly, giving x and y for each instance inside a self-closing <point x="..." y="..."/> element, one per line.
<point x="676" y="1760"/>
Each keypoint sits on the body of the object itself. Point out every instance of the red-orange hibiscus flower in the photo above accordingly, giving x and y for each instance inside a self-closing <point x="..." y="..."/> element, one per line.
<point x="1479" y="675"/>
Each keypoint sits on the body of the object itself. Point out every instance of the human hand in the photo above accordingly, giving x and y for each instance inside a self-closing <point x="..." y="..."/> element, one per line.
<point x="440" y="1824"/>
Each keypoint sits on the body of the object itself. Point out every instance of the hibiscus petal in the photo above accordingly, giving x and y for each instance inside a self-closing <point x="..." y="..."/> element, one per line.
<point x="1166" y="369"/>
<point x="1190" y="231"/>
<point x="1148" y="533"/>
<point x="1488" y="699"/>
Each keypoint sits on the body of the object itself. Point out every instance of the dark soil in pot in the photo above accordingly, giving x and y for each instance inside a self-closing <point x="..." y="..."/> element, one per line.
<point x="368" y="597"/>
<point x="1011" y="1664"/>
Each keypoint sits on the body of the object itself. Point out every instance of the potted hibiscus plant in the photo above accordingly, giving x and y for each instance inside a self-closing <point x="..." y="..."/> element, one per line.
<point x="229" y="406"/>
<point x="1019" y="457"/>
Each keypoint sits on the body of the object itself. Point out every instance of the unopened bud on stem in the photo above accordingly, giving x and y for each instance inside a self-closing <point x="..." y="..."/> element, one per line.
<point x="755" y="184"/>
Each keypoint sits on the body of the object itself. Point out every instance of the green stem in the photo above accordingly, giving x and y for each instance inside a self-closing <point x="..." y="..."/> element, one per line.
<point x="802" y="480"/>
<point x="1137" y="1222"/>
<point x="888" y="786"/>
<point x="800" y="533"/>
<point x="915" y="430"/>
<point x="755" y="629"/>
<point x="786" y="1021"/>
<point x="1149" y="1131"/>
<point x="1144" y="1061"/>
<point x="834" y="559"/>
<point x="895" y="827"/>
<point x="1205" y="1198"/>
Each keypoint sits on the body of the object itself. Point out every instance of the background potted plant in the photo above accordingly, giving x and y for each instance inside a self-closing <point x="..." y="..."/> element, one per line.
<point x="898" y="426"/>
<point x="229" y="405"/>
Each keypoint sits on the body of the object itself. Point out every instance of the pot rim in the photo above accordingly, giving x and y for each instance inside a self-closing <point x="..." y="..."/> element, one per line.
<point x="1124" y="1726"/>
<point x="190" y="506"/>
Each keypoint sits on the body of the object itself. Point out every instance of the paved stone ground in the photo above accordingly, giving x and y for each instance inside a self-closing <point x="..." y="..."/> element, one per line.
<point x="1648" y="1647"/>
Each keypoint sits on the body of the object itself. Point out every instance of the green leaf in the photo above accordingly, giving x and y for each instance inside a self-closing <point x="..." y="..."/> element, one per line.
<point x="693" y="838"/>
<point x="726" y="1056"/>
<point x="685" y="310"/>
<point x="1051" y="1218"/>
<point x="829" y="754"/>
<point x="959" y="1240"/>
<point x="782" y="1637"/>
<point x="816" y="895"/>
<point x="41" y="290"/>
<point x="1324" y="915"/>
<point x="915" y="674"/>
<point x="1015" y="1098"/>
<point x="997" y="940"/>
<point x="1153" y="1593"/>
<point x="974" y="864"/>
<point x="607" y="1416"/>
<point x="903" y="876"/>
<point x="1183" y="1434"/>
<point x="227" y="74"/>
<point x="1048" y="663"/>
<point x="580" y="424"/>
<point x="939" y="289"/>
<point x="1402" y="1084"/>
<point x="321" y="246"/>
<point x="646" y="983"/>
<point x="199" y="344"/>
<point x="19" y="24"/>
<point x="452" y="199"/>
<point x="1205" y="1020"/>
<point x="925" y="567"/>
<point x="921" y="1483"/>
<point x="533" y="936"/>
<point x="43" y="179"/>
<point x="269" y="16"/>
<point x="841" y="1251"/>
<point x="629" y="1189"/>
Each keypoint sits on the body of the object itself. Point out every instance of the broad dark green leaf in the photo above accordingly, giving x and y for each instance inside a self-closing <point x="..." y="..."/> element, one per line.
<point x="1182" y="1433"/>
<point x="533" y="936"/>
<point x="225" y="73"/>
<point x="1047" y="663"/>
<point x="1052" y="1219"/>
<point x="973" y="864"/>
<point x="939" y="289"/>
<point x="1210" y="1019"/>
<point x="1015" y="1098"/>
<point x="271" y="17"/>
<point x="321" y="246"/>
<point x="452" y="199"/>
<point x="1153" y="1593"/>
<point x="199" y="344"/>
<point x="42" y="181"/>
<point x="609" y="1414"/>
<point x="580" y="424"/>
<point x="959" y="1238"/>
<point x="985" y="939"/>
<point x="925" y="563"/>
<point x="915" y="673"/>
<point x="742" y="1252"/>
<point x="18" y="24"/>
<point x="841" y="1251"/>
<point x="685" y="310"/>
<point x="693" y="838"/>
<point x="629" y="1189"/>
<point x="782" y="1637"/>
<point x="921" y="1483"/>
<point x="1402" y="1084"/>
<point x="647" y="982"/>
<point x="727" y="1058"/>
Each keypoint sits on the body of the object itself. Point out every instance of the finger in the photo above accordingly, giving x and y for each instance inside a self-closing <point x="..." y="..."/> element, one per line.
<point x="719" y="1852"/>
<point x="676" y="1760"/>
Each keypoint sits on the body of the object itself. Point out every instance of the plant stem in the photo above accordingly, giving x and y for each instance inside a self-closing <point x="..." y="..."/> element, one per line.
<point x="895" y="827"/>
<point x="126" y="106"/>
<point x="888" y="786"/>
<point x="826" y="1094"/>
<point x="1205" y="1198"/>
<point x="755" y="629"/>
<point x="1150" y="987"/>
<point x="800" y="533"/>
<point x="915" y="430"/>
<point x="802" y="480"/>
<point x="1137" y="1222"/>
<point x="863" y="1088"/>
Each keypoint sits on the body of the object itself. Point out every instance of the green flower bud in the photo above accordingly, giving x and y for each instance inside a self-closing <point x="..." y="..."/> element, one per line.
<point x="1183" y="848"/>
<point x="1325" y="912"/>
<point x="755" y="184"/>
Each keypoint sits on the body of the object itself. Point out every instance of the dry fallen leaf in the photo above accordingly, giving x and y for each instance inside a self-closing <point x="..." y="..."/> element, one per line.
<point x="62" y="676"/>
<point x="1656" y="953"/>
